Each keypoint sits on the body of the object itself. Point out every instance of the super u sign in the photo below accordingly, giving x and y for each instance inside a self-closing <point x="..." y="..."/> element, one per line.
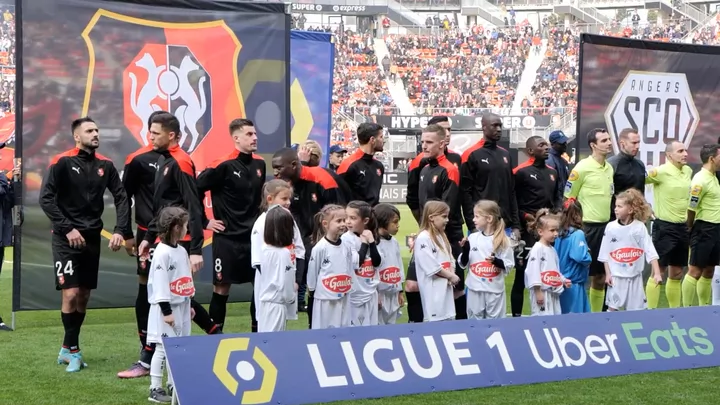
<point x="661" y="107"/>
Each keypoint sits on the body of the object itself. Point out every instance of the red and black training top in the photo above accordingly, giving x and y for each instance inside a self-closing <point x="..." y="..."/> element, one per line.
<point x="486" y="174"/>
<point x="138" y="178"/>
<point x="440" y="180"/>
<point x="536" y="188"/>
<point x="72" y="193"/>
<point x="175" y="186"/>
<point x="235" y="182"/>
<point x="416" y="165"/>
<point x="364" y="175"/>
<point x="314" y="189"/>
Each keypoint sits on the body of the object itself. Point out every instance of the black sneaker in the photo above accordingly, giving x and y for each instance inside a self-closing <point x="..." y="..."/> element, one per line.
<point x="170" y="390"/>
<point x="5" y="328"/>
<point x="160" y="396"/>
<point x="302" y="307"/>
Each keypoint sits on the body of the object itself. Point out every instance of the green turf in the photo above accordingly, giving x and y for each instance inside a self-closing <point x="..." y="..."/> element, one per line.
<point x="109" y="341"/>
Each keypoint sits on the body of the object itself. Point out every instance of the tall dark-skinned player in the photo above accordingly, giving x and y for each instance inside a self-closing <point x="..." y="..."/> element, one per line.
<point x="536" y="187"/>
<point x="235" y="182"/>
<point x="313" y="188"/>
<point x="175" y="186"/>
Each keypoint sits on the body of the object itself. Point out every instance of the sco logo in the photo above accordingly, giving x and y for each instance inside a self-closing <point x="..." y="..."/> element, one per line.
<point x="659" y="105"/>
<point x="245" y="370"/>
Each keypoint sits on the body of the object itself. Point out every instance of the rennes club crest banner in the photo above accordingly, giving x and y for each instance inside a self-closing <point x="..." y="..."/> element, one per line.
<point x="206" y="62"/>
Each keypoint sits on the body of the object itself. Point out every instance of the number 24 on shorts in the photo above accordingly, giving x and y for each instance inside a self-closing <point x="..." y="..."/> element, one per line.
<point x="60" y="270"/>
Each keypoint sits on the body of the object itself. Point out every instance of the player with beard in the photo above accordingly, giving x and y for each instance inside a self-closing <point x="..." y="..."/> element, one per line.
<point x="439" y="180"/>
<point x="591" y="184"/>
<point x="313" y="188"/>
<point x="628" y="171"/>
<point x="361" y="171"/>
<point x="486" y="174"/>
<point x="76" y="219"/>
<point x="417" y="164"/>
<point x="138" y="177"/>
<point x="174" y="186"/>
<point x="536" y="188"/>
<point x="235" y="182"/>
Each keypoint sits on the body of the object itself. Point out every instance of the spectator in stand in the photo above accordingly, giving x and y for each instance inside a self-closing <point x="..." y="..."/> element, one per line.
<point x="455" y="71"/>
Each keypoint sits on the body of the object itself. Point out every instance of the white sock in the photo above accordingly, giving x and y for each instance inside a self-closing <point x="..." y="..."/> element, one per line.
<point x="716" y="286"/>
<point x="156" y="367"/>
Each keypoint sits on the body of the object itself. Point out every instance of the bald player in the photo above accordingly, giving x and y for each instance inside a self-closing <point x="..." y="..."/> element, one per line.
<point x="671" y="182"/>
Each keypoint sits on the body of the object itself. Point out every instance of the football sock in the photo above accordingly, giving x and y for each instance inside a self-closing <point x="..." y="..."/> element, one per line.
<point x="156" y="367"/>
<point x="704" y="291"/>
<point x="652" y="292"/>
<point x="218" y="308"/>
<point x="310" y="305"/>
<point x="673" y="293"/>
<point x="79" y="320"/>
<point x="414" y="307"/>
<point x="202" y="319"/>
<point x="142" y="311"/>
<point x="715" y="287"/>
<point x="597" y="299"/>
<point x="70" y="340"/>
<point x="689" y="290"/>
<point x="517" y="294"/>
<point x="461" y="307"/>
<point x="253" y="314"/>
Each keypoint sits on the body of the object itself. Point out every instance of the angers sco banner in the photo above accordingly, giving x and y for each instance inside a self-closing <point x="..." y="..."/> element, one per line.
<point x="667" y="91"/>
<point x="306" y="367"/>
<point x="207" y="62"/>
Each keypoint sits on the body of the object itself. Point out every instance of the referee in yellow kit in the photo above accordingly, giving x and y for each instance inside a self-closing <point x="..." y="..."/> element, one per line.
<point x="704" y="223"/>
<point x="671" y="182"/>
<point x="591" y="184"/>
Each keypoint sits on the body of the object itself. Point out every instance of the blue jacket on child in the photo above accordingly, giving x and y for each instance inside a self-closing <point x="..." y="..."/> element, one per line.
<point x="574" y="254"/>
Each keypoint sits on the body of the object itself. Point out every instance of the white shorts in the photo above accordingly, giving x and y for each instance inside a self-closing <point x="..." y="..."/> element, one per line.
<point x="157" y="328"/>
<point x="331" y="313"/>
<point x="271" y="316"/>
<point x="716" y="286"/>
<point x="485" y="305"/>
<point x="551" y="307"/>
<point x="627" y="294"/>
<point x="365" y="314"/>
<point x="389" y="311"/>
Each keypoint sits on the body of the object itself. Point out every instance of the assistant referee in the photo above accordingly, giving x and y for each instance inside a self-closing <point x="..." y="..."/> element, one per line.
<point x="703" y="219"/>
<point x="671" y="182"/>
<point x="591" y="183"/>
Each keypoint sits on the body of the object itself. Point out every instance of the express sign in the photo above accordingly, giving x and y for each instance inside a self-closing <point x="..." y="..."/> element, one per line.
<point x="659" y="105"/>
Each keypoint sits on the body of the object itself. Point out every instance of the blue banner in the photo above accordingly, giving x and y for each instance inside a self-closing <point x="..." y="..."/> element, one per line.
<point x="312" y="57"/>
<point x="304" y="367"/>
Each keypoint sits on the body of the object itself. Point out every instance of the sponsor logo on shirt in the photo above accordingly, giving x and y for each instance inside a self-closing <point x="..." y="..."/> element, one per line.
<point x="551" y="278"/>
<point x="340" y="283"/>
<point x="447" y="266"/>
<point x="484" y="270"/>
<point x="366" y="270"/>
<point x="291" y="248"/>
<point x="183" y="287"/>
<point x="626" y="255"/>
<point x="390" y="275"/>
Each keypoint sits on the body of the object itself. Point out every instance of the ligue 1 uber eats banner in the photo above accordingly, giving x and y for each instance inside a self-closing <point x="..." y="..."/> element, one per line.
<point x="305" y="367"/>
<point x="206" y="62"/>
<point x="668" y="91"/>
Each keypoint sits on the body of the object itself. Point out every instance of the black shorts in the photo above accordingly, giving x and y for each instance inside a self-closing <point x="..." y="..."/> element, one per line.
<point x="456" y="250"/>
<point x="671" y="242"/>
<point x="231" y="261"/>
<point x="704" y="244"/>
<point x="594" y="233"/>
<point x="76" y="268"/>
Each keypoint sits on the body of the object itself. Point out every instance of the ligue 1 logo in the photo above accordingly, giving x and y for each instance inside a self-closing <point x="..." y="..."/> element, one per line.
<point x="660" y="105"/>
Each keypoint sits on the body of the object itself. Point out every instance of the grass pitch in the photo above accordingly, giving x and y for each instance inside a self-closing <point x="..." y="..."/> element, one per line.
<point x="109" y="342"/>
